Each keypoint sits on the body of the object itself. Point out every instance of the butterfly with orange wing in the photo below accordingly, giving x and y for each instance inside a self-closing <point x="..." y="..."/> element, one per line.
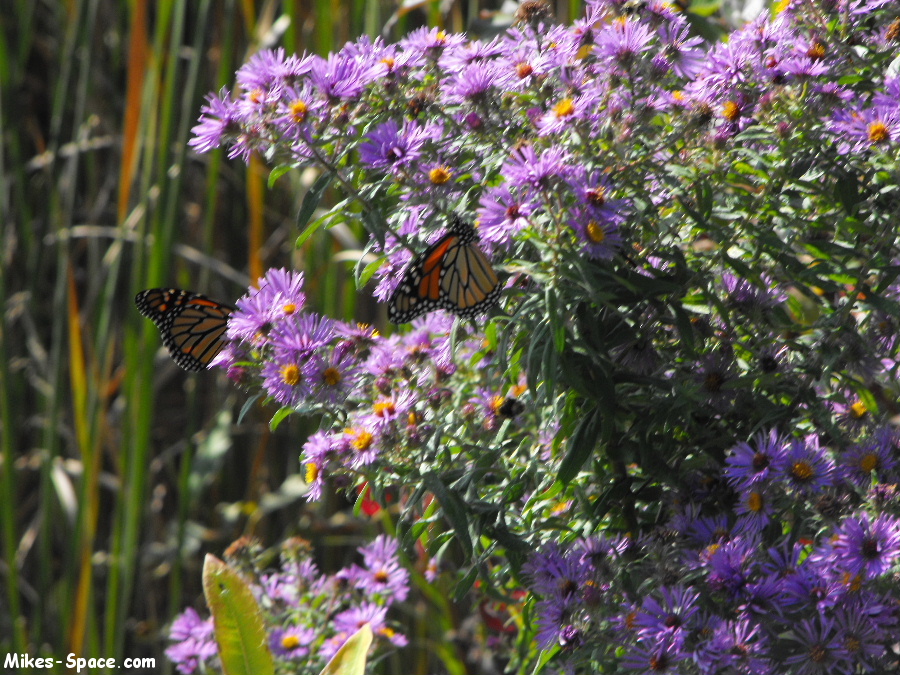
<point x="453" y="274"/>
<point x="192" y="326"/>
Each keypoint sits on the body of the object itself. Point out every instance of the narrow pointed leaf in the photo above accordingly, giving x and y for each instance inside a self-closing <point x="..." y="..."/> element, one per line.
<point x="351" y="658"/>
<point x="239" y="629"/>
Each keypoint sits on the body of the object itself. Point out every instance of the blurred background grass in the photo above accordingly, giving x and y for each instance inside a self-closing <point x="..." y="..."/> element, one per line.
<point x="119" y="471"/>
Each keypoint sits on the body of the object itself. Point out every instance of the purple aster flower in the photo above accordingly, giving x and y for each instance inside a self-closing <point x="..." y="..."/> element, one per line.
<point x="863" y="129"/>
<point x="682" y="53"/>
<point x="219" y="122"/>
<point x="806" y="466"/>
<point x="291" y="642"/>
<point x="430" y="42"/>
<point x="653" y="658"/>
<point x="601" y="553"/>
<point x="269" y="68"/>
<point x="278" y="587"/>
<point x="383" y="549"/>
<point x="747" y="297"/>
<point x="339" y="376"/>
<point x="252" y="321"/>
<point x="876" y="453"/>
<point x="566" y="111"/>
<point x="819" y="652"/>
<point x="754" y="510"/>
<point x="812" y="587"/>
<point x="390" y="148"/>
<point x="351" y="620"/>
<point x="556" y="574"/>
<point x="852" y="412"/>
<point x="784" y="560"/>
<point x="867" y="546"/>
<point x="284" y="290"/>
<point x="526" y="167"/>
<point x="773" y="358"/>
<point x="712" y="374"/>
<point x="748" y="465"/>
<point x="195" y="641"/>
<point x="705" y="530"/>
<point x="862" y="636"/>
<point x="458" y="56"/>
<point x="599" y="236"/>
<point x="621" y="42"/>
<point x="555" y="616"/>
<point x="502" y="215"/>
<point x="731" y="567"/>
<point x="289" y="377"/>
<point x="670" y="619"/>
<point x="340" y="77"/>
<point x="739" y="647"/>
<point x="303" y="337"/>
<point x="318" y="450"/>
<point x="592" y="191"/>
<point x="383" y="575"/>
<point x="390" y="412"/>
<point x="476" y="82"/>
<point x="363" y="446"/>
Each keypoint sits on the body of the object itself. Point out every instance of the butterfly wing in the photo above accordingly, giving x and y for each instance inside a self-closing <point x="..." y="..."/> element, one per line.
<point x="192" y="326"/>
<point x="453" y="274"/>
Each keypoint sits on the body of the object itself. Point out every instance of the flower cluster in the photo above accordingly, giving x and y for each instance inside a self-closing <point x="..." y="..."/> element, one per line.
<point x="736" y="589"/>
<point x="696" y="243"/>
<point x="308" y="615"/>
<point x="301" y="358"/>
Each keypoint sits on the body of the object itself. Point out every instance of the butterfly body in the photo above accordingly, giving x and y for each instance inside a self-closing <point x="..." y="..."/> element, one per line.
<point x="453" y="274"/>
<point x="192" y="326"/>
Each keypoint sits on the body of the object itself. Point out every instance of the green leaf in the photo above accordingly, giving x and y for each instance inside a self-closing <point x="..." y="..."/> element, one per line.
<point x="279" y="416"/>
<point x="277" y="173"/>
<point x="351" y="657"/>
<point x="237" y="621"/>
<point x="454" y="508"/>
<point x="248" y="406"/>
<point x="311" y="202"/>
<point x="581" y="445"/>
<point x="369" y="270"/>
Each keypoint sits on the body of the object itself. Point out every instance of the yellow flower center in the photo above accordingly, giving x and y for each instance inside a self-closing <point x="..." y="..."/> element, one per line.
<point x="290" y="374"/>
<point x="817" y="51"/>
<point x="595" y="232"/>
<point x="523" y="69"/>
<point x="385" y="408"/>
<point x="312" y="472"/>
<point x="299" y="109"/>
<point x="289" y="308"/>
<point x="869" y="462"/>
<point x="755" y="502"/>
<point x="564" y="108"/>
<point x="439" y="175"/>
<point x="731" y="111"/>
<point x="802" y="470"/>
<point x="362" y="440"/>
<point x="858" y="409"/>
<point x="878" y="132"/>
<point x="290" y="642"/>
<point x="389" y="62"/>
<point x="332" y="376"/>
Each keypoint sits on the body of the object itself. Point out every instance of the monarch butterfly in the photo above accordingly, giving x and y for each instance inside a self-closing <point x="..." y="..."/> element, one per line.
<point x="453" y="274"/>
<point x="191" y="324"/>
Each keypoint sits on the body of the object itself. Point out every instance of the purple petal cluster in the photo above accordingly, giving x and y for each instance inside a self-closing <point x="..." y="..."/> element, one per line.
<point x="308" y="615"/>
